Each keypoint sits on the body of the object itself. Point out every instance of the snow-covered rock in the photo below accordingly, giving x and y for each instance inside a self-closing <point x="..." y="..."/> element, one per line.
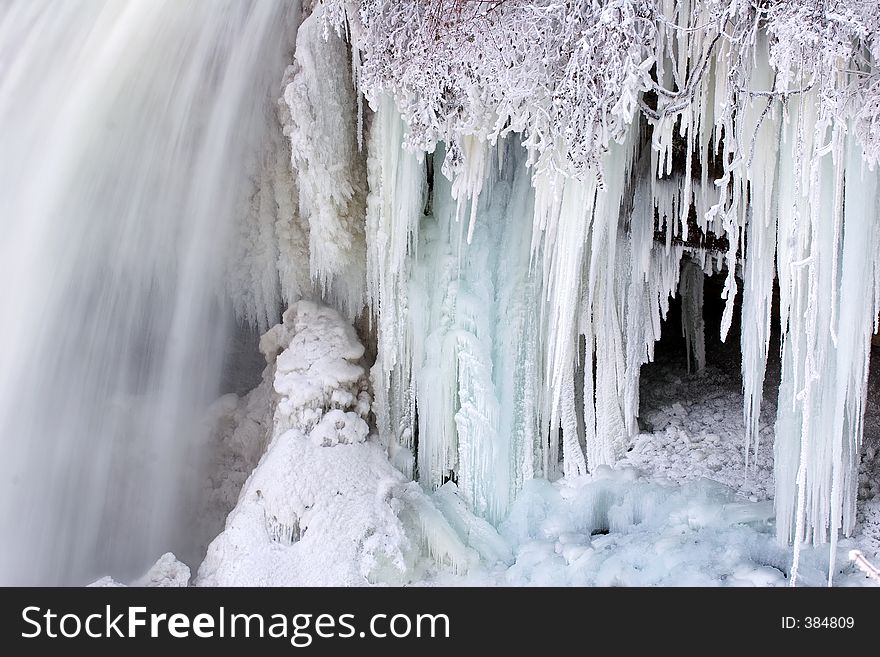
<point x="324" y="506"/>
<point x="167" y="572"/>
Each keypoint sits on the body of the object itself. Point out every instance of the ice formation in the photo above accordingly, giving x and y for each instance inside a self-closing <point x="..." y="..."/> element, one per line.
<point x="320" y="104"/>
<point x="722" y="126"/>
<point x="325" y="506"/>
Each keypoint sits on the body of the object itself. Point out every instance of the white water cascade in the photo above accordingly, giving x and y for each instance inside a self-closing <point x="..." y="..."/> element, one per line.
<point x="130" y="133"/>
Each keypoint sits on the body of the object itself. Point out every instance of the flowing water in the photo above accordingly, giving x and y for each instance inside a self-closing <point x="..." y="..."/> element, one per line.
<point x="128" y="134"/>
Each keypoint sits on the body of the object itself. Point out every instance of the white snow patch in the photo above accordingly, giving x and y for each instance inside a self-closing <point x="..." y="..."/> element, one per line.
<point x="695" y="430"/>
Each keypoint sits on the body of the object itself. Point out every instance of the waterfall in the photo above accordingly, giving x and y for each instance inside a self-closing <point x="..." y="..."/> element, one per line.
<point x="131" y="135"/>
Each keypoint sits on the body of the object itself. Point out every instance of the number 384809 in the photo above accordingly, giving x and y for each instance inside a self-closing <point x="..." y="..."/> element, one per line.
<point x="818" y="622"/>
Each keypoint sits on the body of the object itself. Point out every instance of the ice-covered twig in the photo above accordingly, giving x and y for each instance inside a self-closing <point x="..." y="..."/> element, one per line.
<point x="864" y="565"/>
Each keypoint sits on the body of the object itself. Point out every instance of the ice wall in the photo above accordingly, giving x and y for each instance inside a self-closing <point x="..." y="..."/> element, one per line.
<point x="475" y="338"/>
<point x="493" y="367"/>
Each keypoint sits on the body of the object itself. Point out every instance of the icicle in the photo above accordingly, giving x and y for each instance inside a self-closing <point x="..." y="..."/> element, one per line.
<point x="562" y="226"/>
<point x="598" y="288"/>
<point x="394" y="207"/>
<point x="826" y="327"/>
<point x="653" y="278"/>
<point x="469" y="177"/>
<point x="607" y="280"/>
<point x="760" y="130"/>
<point x="594" y="289"/>
<point x="573" y="461"/>
<point x="858" y="258"/>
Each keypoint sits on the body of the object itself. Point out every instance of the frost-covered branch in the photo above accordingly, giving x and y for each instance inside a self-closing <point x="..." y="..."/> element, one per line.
<point x="570" y="76"/>
<point x="864" y="565"/>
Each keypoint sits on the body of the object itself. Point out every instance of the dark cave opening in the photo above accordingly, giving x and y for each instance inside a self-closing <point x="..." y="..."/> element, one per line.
<point x="669" y="370"/>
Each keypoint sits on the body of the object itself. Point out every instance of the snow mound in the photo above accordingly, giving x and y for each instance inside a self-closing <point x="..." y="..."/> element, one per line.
<point x="237" y="431"/>
<point x="167" y="572"/>
<point x="316" y="357"/>
<point x="309" y="515"/>
<point x="105" y="583"/>
<point x="339" y="428"/>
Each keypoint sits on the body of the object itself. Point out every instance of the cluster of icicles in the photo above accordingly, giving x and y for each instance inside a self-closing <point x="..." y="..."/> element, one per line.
<point x="513" y="307"/>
